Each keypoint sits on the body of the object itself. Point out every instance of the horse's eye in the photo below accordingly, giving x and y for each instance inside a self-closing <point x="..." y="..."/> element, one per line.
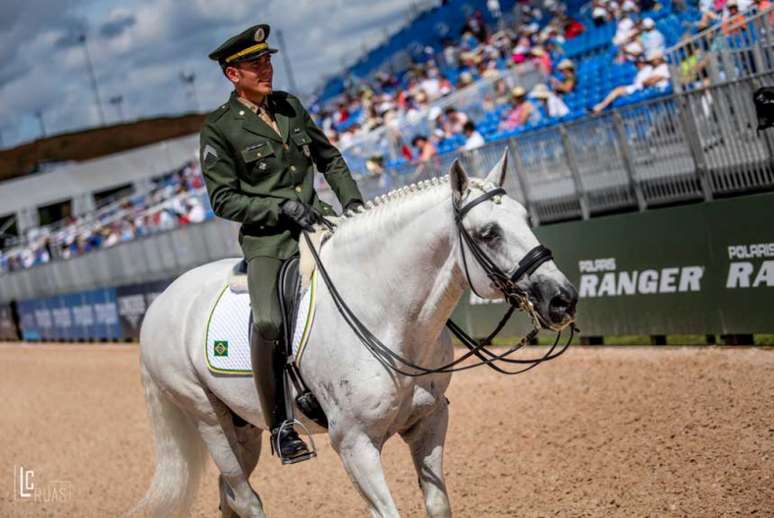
<point x="489" y="233"/>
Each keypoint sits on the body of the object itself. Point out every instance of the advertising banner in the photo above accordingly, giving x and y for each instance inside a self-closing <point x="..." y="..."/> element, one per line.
<point x="90" y="315"/>
<point x="697" y="269"/>
<point x="8" y="329"/>
<point x="133" y="300"/>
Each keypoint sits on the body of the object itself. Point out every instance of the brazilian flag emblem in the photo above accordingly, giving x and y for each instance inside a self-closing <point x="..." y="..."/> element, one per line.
<point x="220" y="347"/>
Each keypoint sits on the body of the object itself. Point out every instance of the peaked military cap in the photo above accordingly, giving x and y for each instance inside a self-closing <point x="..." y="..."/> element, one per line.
<point x="248" y="44"/>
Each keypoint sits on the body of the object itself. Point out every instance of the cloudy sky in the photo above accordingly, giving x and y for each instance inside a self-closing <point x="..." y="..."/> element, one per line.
<point x="140" y="48"/>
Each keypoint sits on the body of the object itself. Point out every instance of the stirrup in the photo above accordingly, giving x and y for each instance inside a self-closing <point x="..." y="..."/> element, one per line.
<point x="300" y="458"/>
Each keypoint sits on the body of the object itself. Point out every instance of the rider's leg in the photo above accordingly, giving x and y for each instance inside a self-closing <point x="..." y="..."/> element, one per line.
<point x="268" y="355"/>
<point x="426" y="439"/>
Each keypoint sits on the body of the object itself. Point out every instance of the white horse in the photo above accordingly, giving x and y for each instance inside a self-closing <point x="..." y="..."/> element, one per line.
<point x="398" y="264"/>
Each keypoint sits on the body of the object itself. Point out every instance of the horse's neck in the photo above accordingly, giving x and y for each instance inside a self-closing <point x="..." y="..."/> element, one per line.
<point x="409" y="277"/>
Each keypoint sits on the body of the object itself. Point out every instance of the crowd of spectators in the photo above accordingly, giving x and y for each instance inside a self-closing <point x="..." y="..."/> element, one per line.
<point x="480" y="51"/>
<point x="536" y="33"/>
<point x="176" y="199"/>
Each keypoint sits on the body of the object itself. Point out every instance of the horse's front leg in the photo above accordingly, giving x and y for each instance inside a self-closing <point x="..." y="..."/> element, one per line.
<point x="362" y="460"/>
<point x="426" y="439"/>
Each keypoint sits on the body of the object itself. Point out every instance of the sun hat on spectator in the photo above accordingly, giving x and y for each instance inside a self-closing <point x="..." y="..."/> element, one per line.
<point x="566" y="64"/>
<point x="648" y="23"/>
<point x="629" y="6"/>
<point x="518" y="91"/>
<point x="633" y="48"/>
<point x="540" y="91"/>
<point x="654" y="54"/>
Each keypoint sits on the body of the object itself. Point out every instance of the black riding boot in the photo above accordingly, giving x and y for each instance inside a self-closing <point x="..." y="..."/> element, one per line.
<point x="268" y="371"/>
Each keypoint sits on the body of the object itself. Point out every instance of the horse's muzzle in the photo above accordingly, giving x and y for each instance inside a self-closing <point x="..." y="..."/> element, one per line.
<point x="555" y="301"/>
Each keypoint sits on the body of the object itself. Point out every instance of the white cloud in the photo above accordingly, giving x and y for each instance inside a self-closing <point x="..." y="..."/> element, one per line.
<point x="148" y="42"/>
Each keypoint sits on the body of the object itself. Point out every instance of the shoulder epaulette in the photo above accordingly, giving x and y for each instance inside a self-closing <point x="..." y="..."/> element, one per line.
<point x="216" y="114"/>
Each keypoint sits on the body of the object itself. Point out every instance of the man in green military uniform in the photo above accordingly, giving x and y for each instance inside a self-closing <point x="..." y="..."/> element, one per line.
<point x="258" y="153"/>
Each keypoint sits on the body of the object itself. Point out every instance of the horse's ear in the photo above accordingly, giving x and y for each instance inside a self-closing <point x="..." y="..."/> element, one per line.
<point x="497" y="175"/>
<point x="458" y="180"/>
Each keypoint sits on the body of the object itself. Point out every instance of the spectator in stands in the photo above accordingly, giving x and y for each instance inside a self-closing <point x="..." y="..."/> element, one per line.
<point x="572" y="27"/>
<point x="632" y="52"/>
<point x="733" y="19"/>
<point x="761" y="5"/>
<point x="425" y="149"/>
<point x="465" y="80"/>
<point x="599" y="13"/>
<point x="522" y="112"/>
<point x="651" y="38"/>
<point x="548" y="102"/>
<point x="494" y="8"/>
<point x="501" y="93"/>
<point x="542" y="59"/>
<point x="653" y="73"/>
<point x="196" y="211"/>
<point x="475" y="26"/>
<point x="625" y="31"/>
<point x="567" y="81"/>
<point x="473" y="139"/>
<point x="454" y="121"/>
<point x="692" y="69"/>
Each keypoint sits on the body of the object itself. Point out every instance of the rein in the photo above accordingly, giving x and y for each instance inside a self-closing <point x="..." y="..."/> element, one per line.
<point x="506" y="282"/>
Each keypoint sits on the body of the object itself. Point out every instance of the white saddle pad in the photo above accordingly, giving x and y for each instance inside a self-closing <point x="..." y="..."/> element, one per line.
<point x="227" y="344"/>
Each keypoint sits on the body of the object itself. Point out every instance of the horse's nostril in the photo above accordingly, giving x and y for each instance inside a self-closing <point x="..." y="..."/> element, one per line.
<point x="559" y="303"/>
<point x="563" y="303"/>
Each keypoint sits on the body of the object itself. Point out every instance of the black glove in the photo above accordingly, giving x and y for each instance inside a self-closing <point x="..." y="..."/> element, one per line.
<point x="302" y="215"/>
<point x="353" y="205"/>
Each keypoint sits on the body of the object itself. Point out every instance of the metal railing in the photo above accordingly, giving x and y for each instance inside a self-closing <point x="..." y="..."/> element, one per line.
<point x="696" y="145"/>
<point x="735" y="48"/>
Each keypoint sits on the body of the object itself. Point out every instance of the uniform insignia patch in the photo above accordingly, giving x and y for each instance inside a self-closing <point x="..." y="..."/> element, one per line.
<point x="262" y="167"/>
<point x="307" y="152"/>
<point x="210" y="154"/>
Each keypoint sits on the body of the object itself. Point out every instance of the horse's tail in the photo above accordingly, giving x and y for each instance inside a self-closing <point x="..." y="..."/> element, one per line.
<point x="180" y="457"/>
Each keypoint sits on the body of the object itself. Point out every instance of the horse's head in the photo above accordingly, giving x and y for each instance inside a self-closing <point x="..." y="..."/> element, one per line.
<point x="498" y="226"/>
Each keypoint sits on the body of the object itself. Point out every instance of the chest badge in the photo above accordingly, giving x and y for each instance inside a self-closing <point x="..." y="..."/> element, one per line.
<point x="262" y="166"/>
<point x="307" y="152"/>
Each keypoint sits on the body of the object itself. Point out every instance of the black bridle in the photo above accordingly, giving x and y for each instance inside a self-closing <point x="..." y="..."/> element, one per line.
<point x="506" y="282"/>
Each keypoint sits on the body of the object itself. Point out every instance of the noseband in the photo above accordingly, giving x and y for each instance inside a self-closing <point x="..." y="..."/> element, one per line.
<point x="506" y="282"/>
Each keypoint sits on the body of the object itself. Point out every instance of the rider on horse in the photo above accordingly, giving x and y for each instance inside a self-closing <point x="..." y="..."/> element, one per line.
<point x="259" y="151"/>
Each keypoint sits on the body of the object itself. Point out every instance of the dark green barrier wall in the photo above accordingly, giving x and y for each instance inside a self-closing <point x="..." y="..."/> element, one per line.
<point x="699" y="269"/>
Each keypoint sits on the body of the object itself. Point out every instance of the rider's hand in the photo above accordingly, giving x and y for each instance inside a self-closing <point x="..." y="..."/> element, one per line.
<point x="302" y="215"/>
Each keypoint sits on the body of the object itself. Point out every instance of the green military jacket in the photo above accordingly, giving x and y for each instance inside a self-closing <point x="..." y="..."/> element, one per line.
<point x="250" y="170"/>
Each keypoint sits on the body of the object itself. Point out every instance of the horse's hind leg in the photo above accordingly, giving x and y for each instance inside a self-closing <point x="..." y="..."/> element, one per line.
<point x="249" y="450"/>
<point x="362" y="460"/>
<point x="222" y="440"/>
<point x="426" y="439"/>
